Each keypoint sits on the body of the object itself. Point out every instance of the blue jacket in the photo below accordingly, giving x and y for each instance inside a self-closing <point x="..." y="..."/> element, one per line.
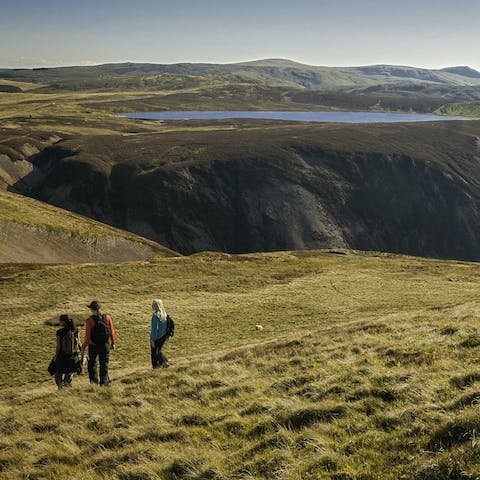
<point x="159" y="327"/>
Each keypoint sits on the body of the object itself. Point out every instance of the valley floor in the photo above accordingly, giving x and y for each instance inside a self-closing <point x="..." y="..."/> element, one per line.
<point x="367" y="368"/>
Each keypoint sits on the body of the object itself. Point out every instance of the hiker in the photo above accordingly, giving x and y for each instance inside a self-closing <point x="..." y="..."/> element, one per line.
<point x="66" y="354"/>
<point x="100" y="338"/>
<point x="162" y="329"/>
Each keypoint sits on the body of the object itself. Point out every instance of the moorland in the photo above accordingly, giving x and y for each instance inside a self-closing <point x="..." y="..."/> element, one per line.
<point x="367" y="364"/>
<point x="221" y="185"/>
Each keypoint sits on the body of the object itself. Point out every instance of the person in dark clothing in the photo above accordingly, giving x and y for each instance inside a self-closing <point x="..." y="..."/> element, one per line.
<point x="66" y="354"/>
<point x="100" y="338"/>
<point x="158" y="334"/>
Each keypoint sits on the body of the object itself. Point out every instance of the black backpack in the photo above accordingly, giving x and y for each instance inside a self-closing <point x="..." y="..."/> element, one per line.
<point x="170" y="327"/>
<point x="101" y="331"/>
<point x="69" y="343"/>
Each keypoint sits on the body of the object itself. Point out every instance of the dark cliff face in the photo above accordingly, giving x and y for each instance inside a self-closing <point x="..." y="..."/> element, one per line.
<point x="257" y="192"/>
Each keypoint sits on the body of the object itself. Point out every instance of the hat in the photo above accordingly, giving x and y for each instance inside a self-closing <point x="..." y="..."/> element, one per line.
<point x="94" y="305"/>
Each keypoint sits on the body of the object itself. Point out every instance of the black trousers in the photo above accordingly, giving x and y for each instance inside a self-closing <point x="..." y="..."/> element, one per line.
<point x="103" y="354"/>
<point x="63" y="379"/>
<point x="158" y="358"/>
<point x="65" y="366"/>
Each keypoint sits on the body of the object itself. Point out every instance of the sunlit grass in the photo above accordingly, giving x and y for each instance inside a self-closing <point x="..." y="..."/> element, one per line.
<point x="366" y="368"/>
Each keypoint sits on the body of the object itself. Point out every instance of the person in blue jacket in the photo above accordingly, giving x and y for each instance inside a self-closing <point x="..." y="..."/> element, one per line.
<point x="159" y="334"/>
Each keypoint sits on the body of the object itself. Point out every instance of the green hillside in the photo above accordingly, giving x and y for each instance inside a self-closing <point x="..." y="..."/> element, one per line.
<point x="32" y="231"/>
<point x="271" y="71"/>
<point x="366" y="369"/>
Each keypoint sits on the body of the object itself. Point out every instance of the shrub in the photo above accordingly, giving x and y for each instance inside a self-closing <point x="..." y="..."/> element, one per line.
<point x="387" y="422"/>
<point x="255" y="409"/>
<point x="262" y="427"/>
<point x="181" y="468"/>
<point x="44" y="428"/>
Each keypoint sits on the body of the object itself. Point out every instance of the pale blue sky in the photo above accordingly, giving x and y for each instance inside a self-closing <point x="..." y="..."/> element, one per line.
<point x="428" y="33"/>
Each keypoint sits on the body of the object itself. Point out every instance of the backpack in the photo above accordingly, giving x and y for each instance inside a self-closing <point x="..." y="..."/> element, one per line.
<point x="68" y="343"/>
<point x="170" y="327"/>
<point x="100" y="334"/>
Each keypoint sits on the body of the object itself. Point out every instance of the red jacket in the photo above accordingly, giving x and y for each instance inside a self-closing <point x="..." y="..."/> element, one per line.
<point x="88" y="331"/>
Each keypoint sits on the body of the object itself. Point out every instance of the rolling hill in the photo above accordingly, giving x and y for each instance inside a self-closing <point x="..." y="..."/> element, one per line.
<point x="272" y="72"/>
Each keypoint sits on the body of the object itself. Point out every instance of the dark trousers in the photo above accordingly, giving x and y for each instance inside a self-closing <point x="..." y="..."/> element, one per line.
<point x="63" y="379"/>
<point x="158" y="358"/>
<point x="103" y="354"/>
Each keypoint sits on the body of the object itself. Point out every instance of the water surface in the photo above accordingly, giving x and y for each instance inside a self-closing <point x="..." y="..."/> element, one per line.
<point x="337" y="117"/>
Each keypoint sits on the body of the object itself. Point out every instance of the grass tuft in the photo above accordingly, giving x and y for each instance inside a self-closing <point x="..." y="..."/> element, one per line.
<point x="463" y="428"/>
<point x="472" y="341"/>
<point x="303" y="418"/>
<point x="462" y="381"/>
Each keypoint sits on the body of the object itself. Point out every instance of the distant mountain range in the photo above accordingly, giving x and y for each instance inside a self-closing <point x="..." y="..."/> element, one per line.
<point x="277" y="72"/>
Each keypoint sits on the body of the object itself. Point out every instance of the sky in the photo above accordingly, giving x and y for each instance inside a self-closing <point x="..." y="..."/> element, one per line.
<point x="422" y="33"/>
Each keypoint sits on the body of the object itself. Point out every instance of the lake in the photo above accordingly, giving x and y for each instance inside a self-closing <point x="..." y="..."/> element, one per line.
<point x="337" y="117"/>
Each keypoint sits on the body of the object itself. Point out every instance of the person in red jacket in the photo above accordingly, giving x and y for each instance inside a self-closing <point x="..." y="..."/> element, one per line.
<point x="99" y="338"/>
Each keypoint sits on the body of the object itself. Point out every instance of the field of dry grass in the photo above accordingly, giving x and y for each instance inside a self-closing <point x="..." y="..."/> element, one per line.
<point x="367" y="368"/>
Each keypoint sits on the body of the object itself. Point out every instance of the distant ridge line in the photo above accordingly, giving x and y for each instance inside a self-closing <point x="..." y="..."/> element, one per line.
<point x="463" y="70"/>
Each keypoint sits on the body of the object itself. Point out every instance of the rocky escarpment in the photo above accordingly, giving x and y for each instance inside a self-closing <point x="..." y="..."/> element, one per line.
<point x="400" y="188"/>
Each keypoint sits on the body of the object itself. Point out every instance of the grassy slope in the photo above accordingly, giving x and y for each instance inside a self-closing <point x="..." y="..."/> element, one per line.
<point x="23" y="86"/>
<point x="56" y="113"/>
<point x="19" y="209"/>
<point x="366" y="369"/>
